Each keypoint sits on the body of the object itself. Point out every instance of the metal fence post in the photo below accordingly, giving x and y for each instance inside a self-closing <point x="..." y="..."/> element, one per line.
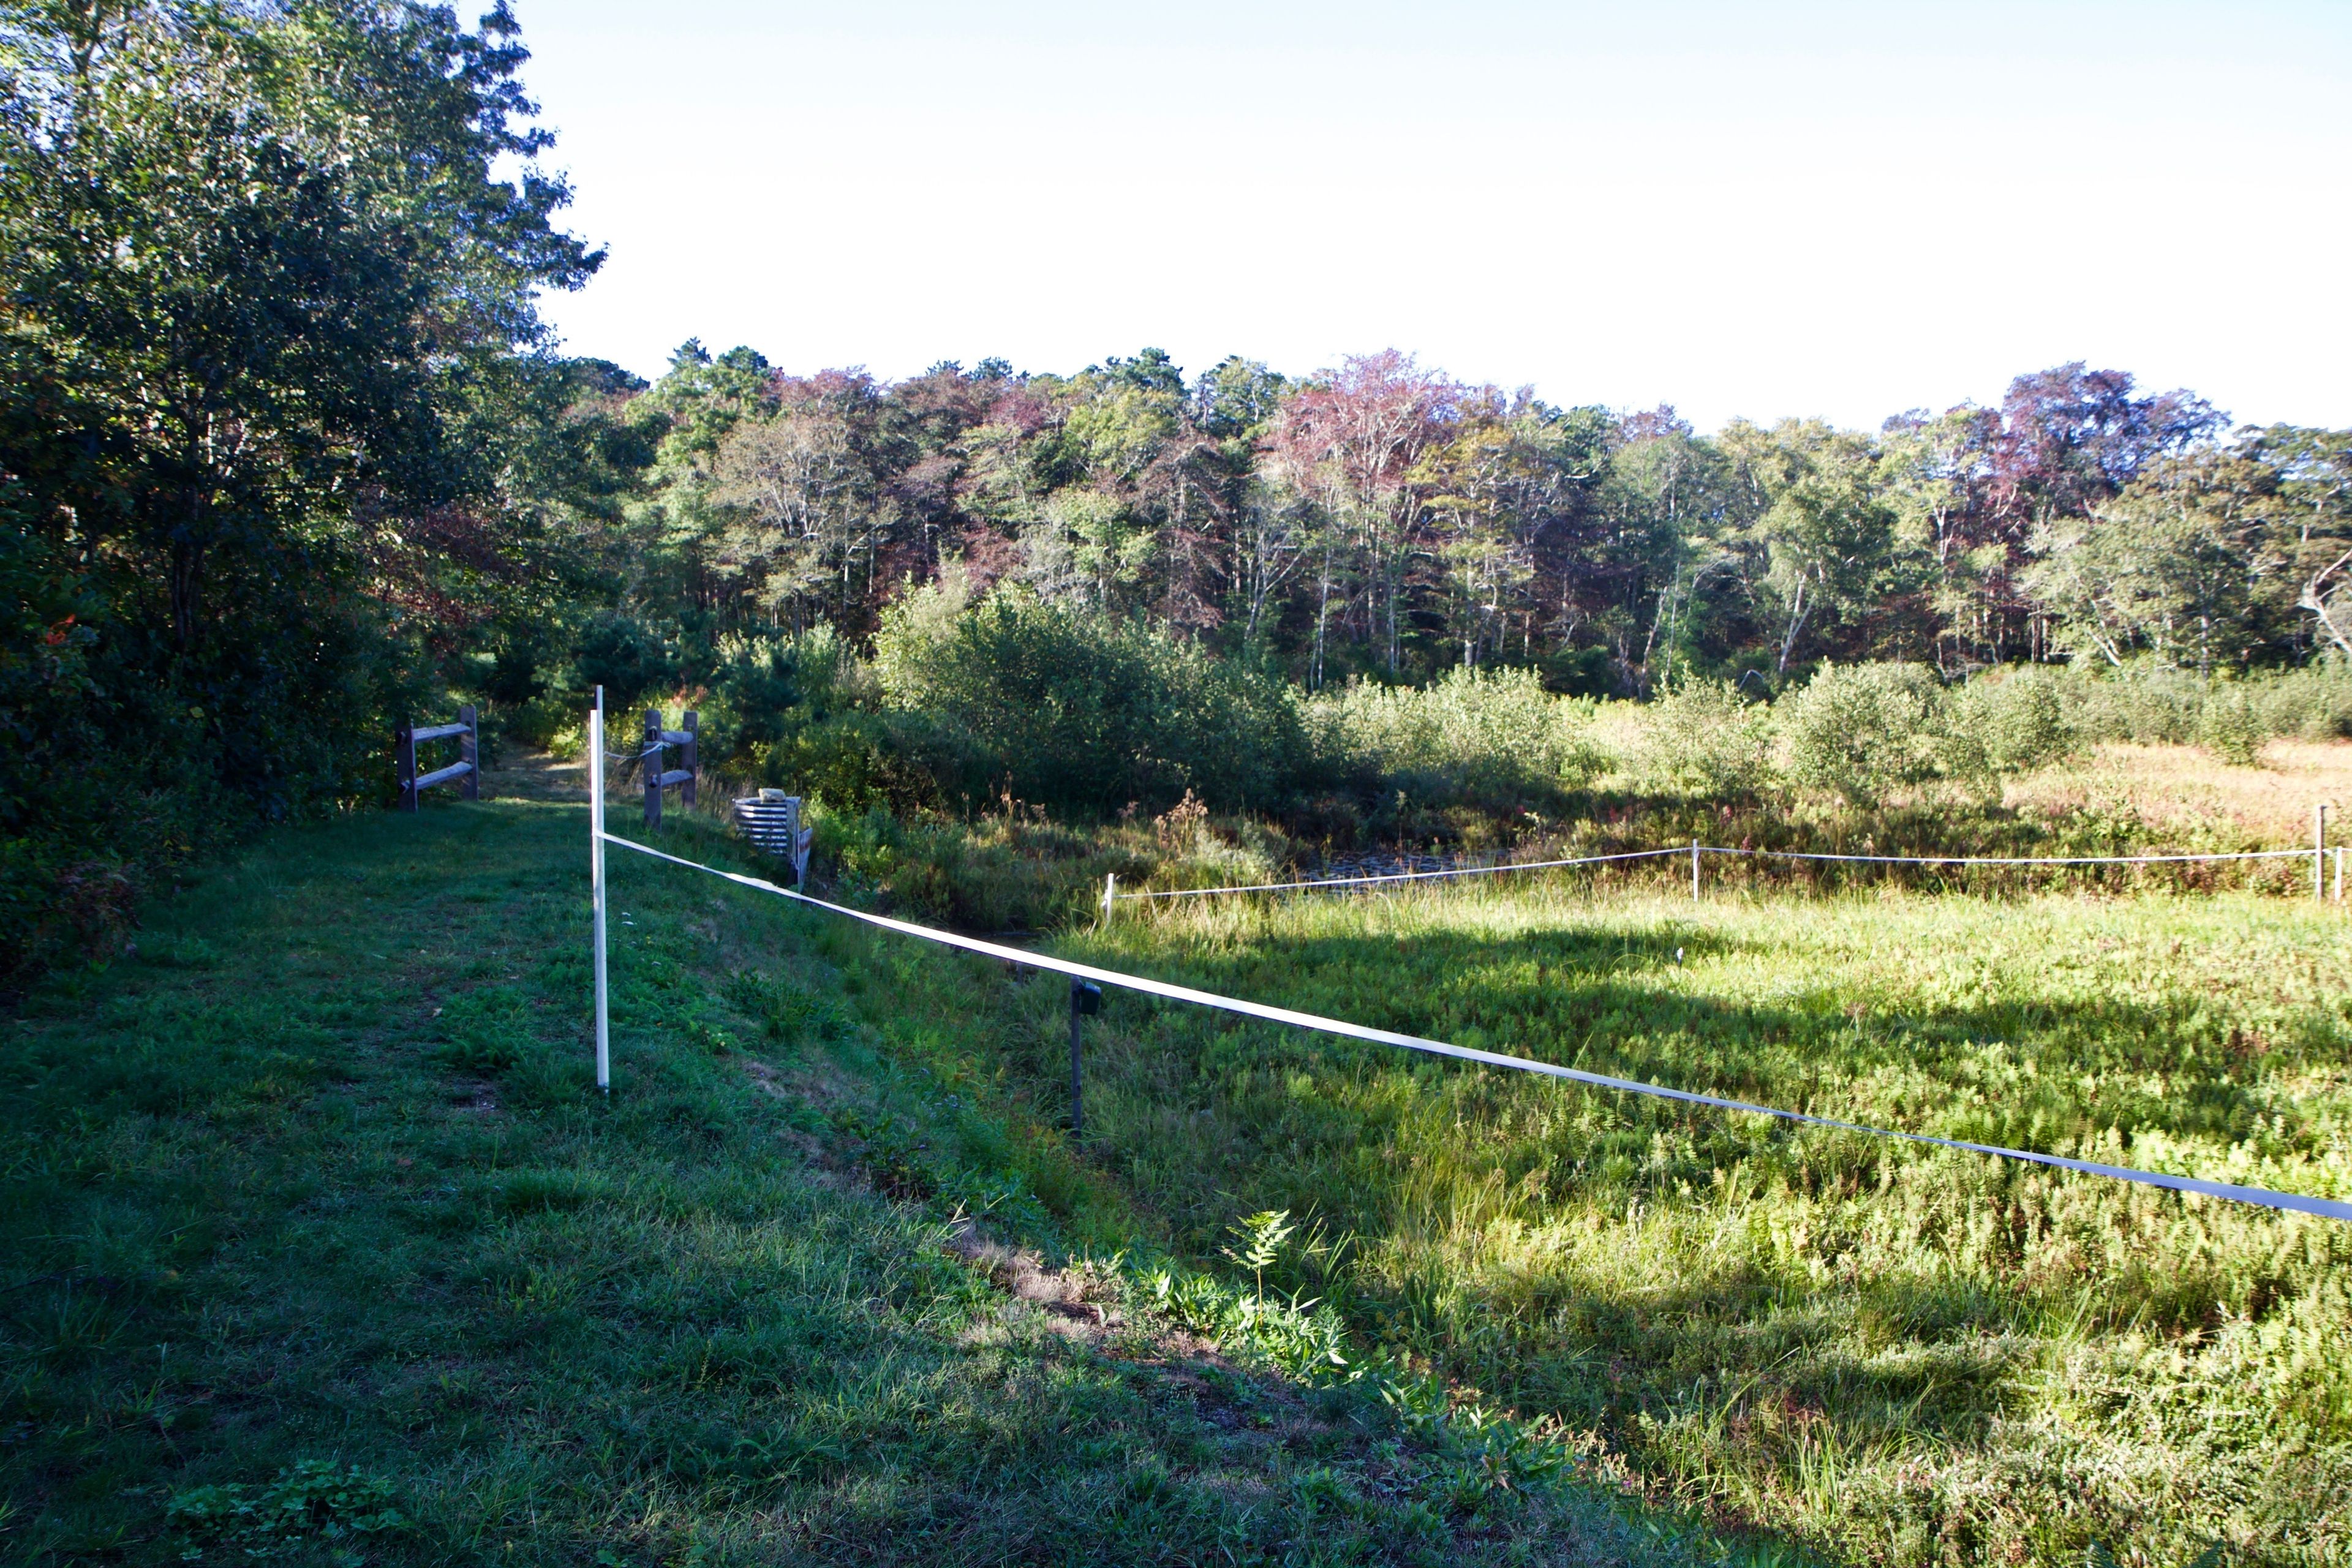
<point x="469" y="752"/>
<point x="596" y="884"/>
<point x="1085" y="997"/>
<point x="1110" y="891"/>
<point x="1693" y="871"/>
<point x="652" y="764"/>
<point x="2318" y="852"/>
<point x="404" y="762"/>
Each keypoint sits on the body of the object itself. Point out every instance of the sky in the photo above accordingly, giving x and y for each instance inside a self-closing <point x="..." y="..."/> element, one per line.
<point x="1743" y="210"/>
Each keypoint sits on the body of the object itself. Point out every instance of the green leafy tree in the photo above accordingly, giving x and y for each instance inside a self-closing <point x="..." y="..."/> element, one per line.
<point x="2186" y="564"/>
<point x="2314" y="470"/>
<point x="1821" y="542"/>
<point x="267" y="326"/>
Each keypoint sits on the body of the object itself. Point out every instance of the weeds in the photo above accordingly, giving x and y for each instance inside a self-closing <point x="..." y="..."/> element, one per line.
<point x="1783" y="1325"/>
<point x="313" y="1499"/>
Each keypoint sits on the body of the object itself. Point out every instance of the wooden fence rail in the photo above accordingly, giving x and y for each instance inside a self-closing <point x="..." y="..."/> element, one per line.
<point x="465" y="773"/>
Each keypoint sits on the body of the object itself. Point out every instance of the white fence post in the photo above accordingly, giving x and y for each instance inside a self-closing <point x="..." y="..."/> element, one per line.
<point x="1110" y="891"/>
<point x="2318" y="852"/>
<point x="1693" y="871"/>
<point x="596" y="883"/>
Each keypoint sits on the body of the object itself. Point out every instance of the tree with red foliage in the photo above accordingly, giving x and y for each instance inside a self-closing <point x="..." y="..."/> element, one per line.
<point x="1348" y="441"/>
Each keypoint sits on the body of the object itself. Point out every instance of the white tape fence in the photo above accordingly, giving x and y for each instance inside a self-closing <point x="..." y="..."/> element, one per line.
<point x="2318" y="854"/>
<point x="2263" y="1196"/>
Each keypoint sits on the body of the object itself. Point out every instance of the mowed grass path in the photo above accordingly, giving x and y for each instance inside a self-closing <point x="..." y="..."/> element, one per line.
<point x="1896" y="1354"/>
<point x="317" y="1245"/>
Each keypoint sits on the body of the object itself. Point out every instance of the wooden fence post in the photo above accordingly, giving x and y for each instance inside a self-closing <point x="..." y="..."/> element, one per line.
<point x="693" y="762"/>
<point x="469" y="752"/>
<point x="403" y="745"/>
<point x="651" y="762"/>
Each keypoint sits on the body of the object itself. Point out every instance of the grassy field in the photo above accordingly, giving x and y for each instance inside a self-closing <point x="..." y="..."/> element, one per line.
<point x="1893" y="1354"/>
<point x="316" y="1244"/>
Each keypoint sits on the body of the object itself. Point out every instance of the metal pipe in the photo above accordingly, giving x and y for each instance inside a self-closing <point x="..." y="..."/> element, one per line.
<point x="1078" y="1078"/>
<point x="1085" y="997"/>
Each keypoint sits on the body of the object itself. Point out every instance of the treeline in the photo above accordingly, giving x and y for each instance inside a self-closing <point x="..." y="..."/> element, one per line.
<point x="1380" y="519"/>
<point x="286" y="455"/>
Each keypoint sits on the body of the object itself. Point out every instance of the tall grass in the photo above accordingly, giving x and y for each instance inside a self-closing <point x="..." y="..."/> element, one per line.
<point x="1898" y="1355"/>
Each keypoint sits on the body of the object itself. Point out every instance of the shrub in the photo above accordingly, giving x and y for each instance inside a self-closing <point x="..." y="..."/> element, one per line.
<point x="2153" y="704"/>
<point x="1862" y="730"/>
<point x="2231" y="727"/>
<point x="1700" y="740"/>
<point x="2005" y="723"/>
<point x="626" y="655"/>
<point x="1074" y="711"/>
<point x="1489" y="738"/>
<point x="900" y="761"/>
<point x="2314" y="701"/>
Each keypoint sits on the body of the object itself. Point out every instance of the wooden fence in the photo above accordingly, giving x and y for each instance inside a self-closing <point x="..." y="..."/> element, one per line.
<point x="466" y="772"/>
<point x="658" y="775"/>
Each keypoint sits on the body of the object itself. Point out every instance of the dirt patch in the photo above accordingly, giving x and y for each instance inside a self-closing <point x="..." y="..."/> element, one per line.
<point x="820" y="1083"/>
<point x="1060" y="1294"/>
<point x="535" y="775"/>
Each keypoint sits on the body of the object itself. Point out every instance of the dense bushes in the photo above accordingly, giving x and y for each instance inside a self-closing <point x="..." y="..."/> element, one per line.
<point x="117" y="762"/>
<point x="2156" y="704"/>
<point x="1495" y="739"/>
<point x="967" y="706"/>
<point x="1863" y="732"/>
<point x="1086" y="714"/>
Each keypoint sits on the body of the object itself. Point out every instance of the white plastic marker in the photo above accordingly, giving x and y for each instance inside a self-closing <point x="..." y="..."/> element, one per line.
<point x="2325" y="1208"/>
<point x="596" y="880"/>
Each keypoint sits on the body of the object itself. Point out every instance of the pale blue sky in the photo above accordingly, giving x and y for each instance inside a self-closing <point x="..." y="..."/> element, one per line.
<point x="1759" y="210"/>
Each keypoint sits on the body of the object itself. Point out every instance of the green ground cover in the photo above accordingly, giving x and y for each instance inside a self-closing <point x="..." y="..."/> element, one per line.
<point x="1896" y="1354"/>
<point x="316" y="1246"/>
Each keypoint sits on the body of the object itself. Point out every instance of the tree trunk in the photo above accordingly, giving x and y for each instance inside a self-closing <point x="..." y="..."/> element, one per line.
<point x="185" y="574"/>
